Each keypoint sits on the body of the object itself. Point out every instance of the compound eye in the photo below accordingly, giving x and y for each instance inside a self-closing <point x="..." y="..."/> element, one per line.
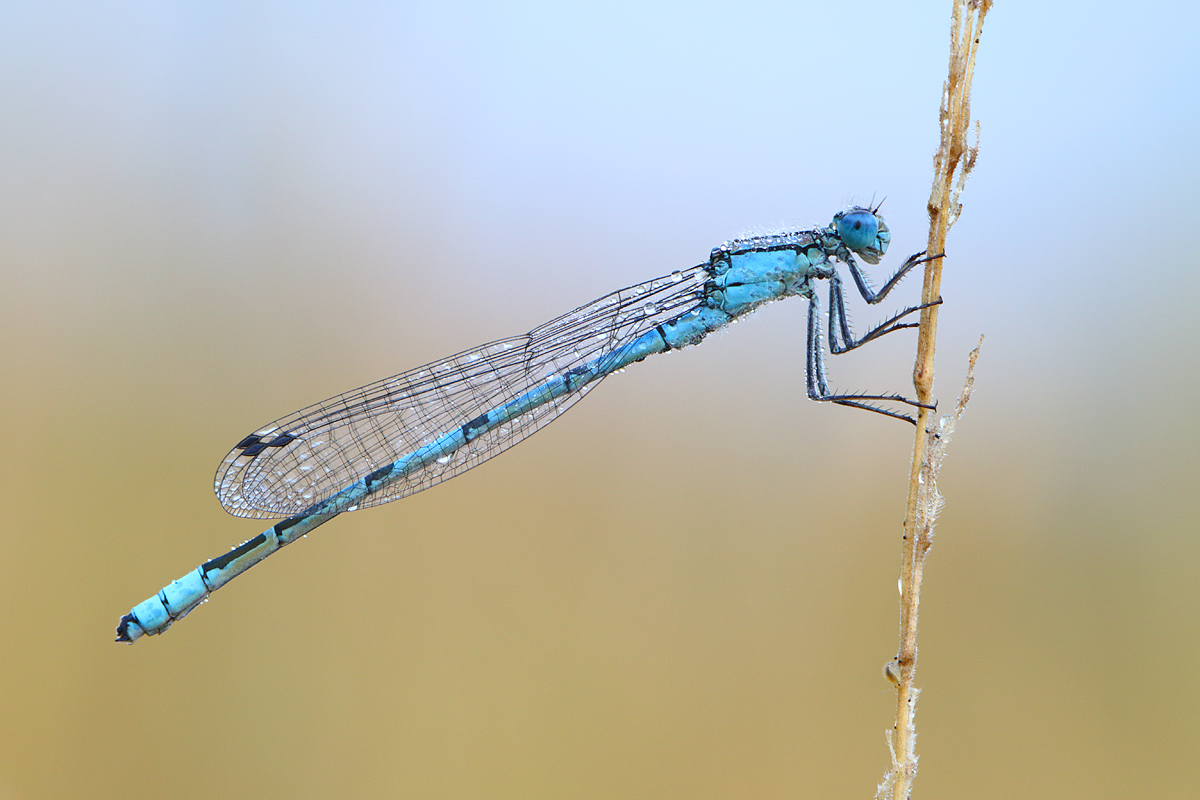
<point x="858" y="229"/>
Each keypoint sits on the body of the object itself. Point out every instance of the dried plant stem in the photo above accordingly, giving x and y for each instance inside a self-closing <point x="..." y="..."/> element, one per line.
<point x="954" y="160"/>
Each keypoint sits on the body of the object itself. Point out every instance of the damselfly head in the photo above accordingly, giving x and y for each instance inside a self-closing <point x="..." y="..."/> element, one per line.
<point x="863" y="231"/>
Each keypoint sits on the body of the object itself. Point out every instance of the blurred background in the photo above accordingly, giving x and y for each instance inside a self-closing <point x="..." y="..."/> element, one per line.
<point x="212" y="214"/>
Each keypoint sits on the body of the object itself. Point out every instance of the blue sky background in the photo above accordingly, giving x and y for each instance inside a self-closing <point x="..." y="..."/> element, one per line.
<point x="213" y="214"/>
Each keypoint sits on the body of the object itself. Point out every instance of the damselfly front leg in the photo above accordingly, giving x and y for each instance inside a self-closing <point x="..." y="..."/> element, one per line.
<point x="839" y="322"/>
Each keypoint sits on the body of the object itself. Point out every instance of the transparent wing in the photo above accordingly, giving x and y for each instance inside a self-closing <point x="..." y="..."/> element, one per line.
<point x="302" y="459"/>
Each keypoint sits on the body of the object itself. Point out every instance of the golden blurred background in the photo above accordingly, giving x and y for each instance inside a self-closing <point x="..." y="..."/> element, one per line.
<point x="216" y="213"/>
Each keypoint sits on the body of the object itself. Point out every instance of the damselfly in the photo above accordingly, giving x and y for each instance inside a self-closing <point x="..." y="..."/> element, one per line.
<point x="404" y="434"/>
